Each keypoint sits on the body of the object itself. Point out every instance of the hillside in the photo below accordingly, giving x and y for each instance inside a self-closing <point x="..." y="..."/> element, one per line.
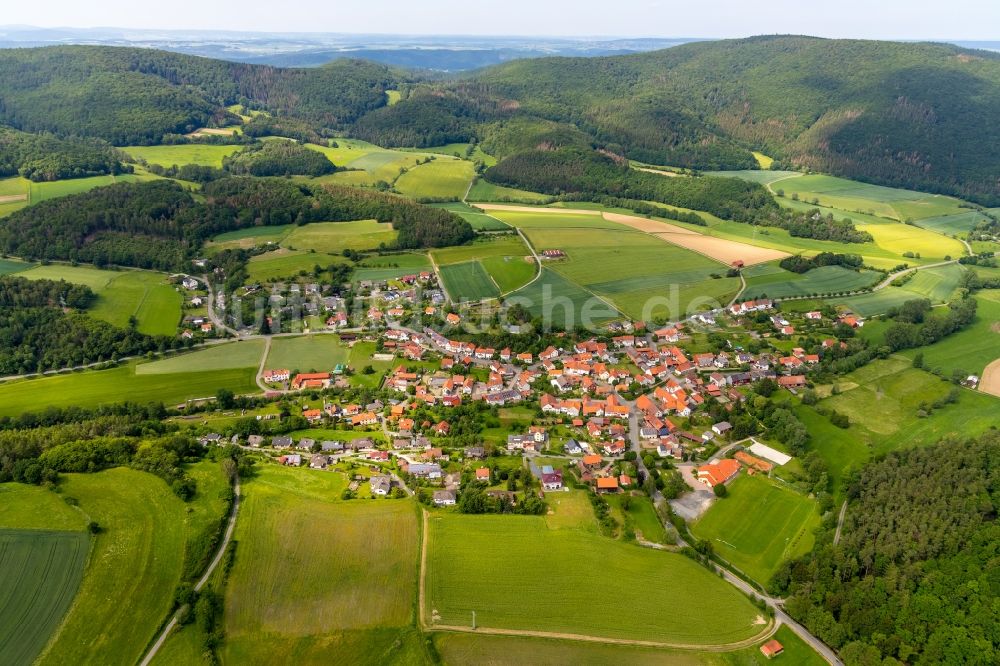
<point x="136" y="96"/>
<point x="911" y="115"/>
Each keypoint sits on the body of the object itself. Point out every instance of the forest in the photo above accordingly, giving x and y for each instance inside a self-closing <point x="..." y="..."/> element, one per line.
<point x="160" y="225"/>
<point x="37" y="334"/>
<point x="44" y="157"/>
<point x="277" y="158"/>
<point x="916" y="574"/>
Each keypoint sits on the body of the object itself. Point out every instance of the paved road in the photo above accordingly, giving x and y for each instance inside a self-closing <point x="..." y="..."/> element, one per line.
<point x="220" y="553"/>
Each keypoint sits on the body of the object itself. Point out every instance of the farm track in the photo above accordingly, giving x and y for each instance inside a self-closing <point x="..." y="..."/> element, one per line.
<point x="220" y="553"/>
<point x="840" y="523"/>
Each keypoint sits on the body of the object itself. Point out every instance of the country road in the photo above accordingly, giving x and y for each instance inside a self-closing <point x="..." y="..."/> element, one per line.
<point x="220" y="553"/>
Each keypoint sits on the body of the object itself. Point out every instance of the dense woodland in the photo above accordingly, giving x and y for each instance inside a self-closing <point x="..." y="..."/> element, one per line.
<point x="41" y="157"/>
<point x="916" y="574"/>
<point x="36" y="333"/>
<point x="278" y="158"/>
<point x="160" y="225"/>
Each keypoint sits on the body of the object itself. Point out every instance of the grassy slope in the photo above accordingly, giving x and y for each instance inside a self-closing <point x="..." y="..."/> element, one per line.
<point x="312" y="352"/>
<point x="543" y="572"/>
<point x="315" y="577"/>
<point x="243" y="354"/>
<point x="442" y="178"/>
<point x="202" y="154"/>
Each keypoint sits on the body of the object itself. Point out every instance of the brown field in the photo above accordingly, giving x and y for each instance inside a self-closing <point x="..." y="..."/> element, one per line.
<point x="990" y="381"/>
<point x="13" y="198"/>
<point x="219" y="131"/>
<point x="720" y="249"/>
<point x="659" y="172"/>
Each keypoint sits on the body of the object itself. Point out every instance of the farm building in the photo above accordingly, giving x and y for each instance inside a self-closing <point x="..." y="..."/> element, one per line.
<point x="772" y="648"/>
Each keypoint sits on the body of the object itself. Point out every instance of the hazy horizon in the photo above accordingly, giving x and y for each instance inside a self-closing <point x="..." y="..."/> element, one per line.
<point x="916" y="20"/>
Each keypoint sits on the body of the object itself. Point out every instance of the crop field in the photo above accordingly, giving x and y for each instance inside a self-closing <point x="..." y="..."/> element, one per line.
<point x="486" y="191"/>
<point x="61" y="188"/>
<point x="759" y="525"/>
<point x="40" y="572"/>
<point x="229" y="356"/>
<point x="479" y="220"/>
<point x="439" y="179"/>
<point x="307" y="353"/>
<point x="91" y="388"/>
<point x="8" y="266"/>
<point x="550" y="217"/>
<point x="775" y="282"/>
<point x="468" y="281"/>
<point x="900" y="238"/>
<point x="883" y="399"/>
<point x="642" y="277"/>
<point x="388" y="267"/>
<point x="284" y="263"/>
<point x="147" y="295"/>
<point x="202" y="154"/>
<point x="560" y="302"/>
<point x="510" y="273"/>
<point x="762" y="176"/>
<point x="957" y="224"/>
<point x="459" y="150"/>
<point x="971" y="349"/>
<point x="129" y="582"/>
<point x="347" y="150"/>
<point x="463" y="570"/>
<point x="312" y="571"/>
<point x="481" y="248"/>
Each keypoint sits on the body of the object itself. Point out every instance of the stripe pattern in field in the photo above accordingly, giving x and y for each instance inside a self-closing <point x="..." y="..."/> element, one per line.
<point x="468" y="281"/>
<point x="40" y="573"/>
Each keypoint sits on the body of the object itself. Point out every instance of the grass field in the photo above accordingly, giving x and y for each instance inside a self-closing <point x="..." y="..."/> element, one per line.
<point x="883" y="398"/>
<point x="510" y="272"/>
<point x="390" y="266"/>
<point x="479" y="220"/>
<point x="317" y="576"/>
<point x="462" y="649"/>
<point x="775" y="282"/>
<point x="233" y="355"/>
<point x="937" y="284"/>
<point x="129" y="582"/>
<point x="335" y="237"/>
<point x="202" y="154"/>
<point x="9" y="266"/>
<point x="759" y="525"/>
<point x="40" y="572"/>
<point x="307" y="353"/>
<point x="887" y="202"/>
<point x="971" y="349"/>
<point x="486" y="191"/>
<point x="468" y="281"/>
<point x="285" y="263"/>
<point x="146" y="295"/>
<point x="956" y="224"/>
<point x="544" y="572"/>
<point x="761" y="176"/>
<point x="249" y="237"/>
<point x="481" y="248"/>
<point x="91" y="388"/>
<point x="441" y="178"/>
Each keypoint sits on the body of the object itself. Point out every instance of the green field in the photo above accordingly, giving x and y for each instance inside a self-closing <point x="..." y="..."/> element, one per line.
<point x="146" y="295"/>
<point x="229" y="356"/>
<point x="318" y="353"/>
<point x="486" y="191"/>
<point x="759" y="525"/>
<point x="335" y="237"/>
<point x="937" y="284"/>
<point x="958" y="224"/>
<point x="202" y="154"/>
<point x="775" y="282"/>
<point x="479" y="220"/>
<point x="8" y="266"/>
<point x="40" y="572"/>
<point x="61" y="188"/>
<point x="91" y="388"/>
<point x="285" y="263"/>
<point x="510" y="273"/>
<point x="761" y="176"/>
<point x="642" y="277"/>
<point x="318" y="578"/>
<point x="481" y="248"/>
<point x="129" y="582"/>
<point x="390" y="266"/>
<point x="517" y="572"/>
<point x="883" y="399"/>
<point x="441" y="179"/>
<point x="249" y="237"/>
<point x="971" y="349"/>
<point x="468" y="281"/>
<point x="562" y="303"/>
<point x="887" y="202"/>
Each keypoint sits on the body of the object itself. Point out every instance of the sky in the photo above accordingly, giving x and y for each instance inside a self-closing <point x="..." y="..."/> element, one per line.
<point x="874" y="19"/>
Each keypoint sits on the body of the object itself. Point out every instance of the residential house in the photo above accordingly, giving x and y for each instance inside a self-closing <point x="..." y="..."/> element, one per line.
<point x="712" y="474"/>
<point x="444" y="497"/>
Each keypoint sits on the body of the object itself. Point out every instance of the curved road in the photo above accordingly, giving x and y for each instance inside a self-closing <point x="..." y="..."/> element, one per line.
<point x="220" y="553"/>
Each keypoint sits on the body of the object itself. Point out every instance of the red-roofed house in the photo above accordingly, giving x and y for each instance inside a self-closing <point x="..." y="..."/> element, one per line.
<point x="713" y="474"/>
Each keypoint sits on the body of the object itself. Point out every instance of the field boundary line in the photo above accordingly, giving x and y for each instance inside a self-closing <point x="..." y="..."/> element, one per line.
<point x="770" y="629"/>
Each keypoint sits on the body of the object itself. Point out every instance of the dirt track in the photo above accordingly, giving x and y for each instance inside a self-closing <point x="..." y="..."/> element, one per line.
<point x="990" y="381"/>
